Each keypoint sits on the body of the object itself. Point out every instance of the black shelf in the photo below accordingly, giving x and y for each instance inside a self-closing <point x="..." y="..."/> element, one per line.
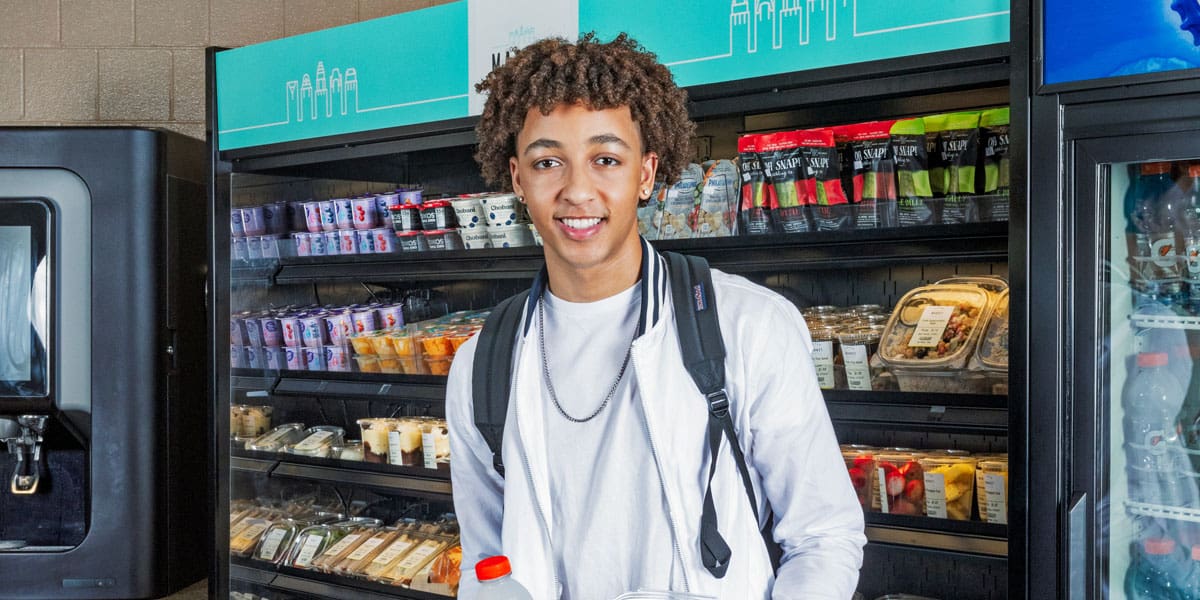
<point x="256" y="272"/>
<point x="972" y="537"/>
<point x="389" y="479"/>
<point x="352" y="385"/>
<point x="980" y="242"/>
<point x="971" y="413"/>
<point x="321" y="585"/>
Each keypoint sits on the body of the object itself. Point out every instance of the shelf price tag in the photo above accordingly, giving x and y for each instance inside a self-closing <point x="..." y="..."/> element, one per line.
<point x="883" y="495"/>
<point x="931" y="327"/>
<point x="858" y="368"/>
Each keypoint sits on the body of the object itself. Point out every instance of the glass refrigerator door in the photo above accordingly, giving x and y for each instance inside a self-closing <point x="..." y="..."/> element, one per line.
<point x="1149" y="379"/>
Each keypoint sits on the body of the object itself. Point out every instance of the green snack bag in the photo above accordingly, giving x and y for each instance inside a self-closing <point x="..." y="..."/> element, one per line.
<point x="755" y="212"/>
<point x="994" y="187"/>
<point x="914" y="191"/>
<point x="959" y="148"/>
<point x="934" y="125"/>
<point x="783" y="162"/>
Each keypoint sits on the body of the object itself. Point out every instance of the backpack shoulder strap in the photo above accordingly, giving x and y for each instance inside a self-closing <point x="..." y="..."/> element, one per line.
<point x="703" y="349"/>
<point x="491" y="377"/>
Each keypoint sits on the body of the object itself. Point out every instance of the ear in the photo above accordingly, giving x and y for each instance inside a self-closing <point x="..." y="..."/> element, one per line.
<point x="516" y="177"/>
<point x="649" y="170"/>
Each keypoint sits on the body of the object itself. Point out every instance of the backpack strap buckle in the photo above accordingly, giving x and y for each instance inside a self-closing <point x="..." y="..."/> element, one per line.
<point x="718" y="404"/>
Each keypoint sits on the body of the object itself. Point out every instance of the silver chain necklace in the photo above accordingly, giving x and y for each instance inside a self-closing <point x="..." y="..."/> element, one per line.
<point x="550" y="384"/>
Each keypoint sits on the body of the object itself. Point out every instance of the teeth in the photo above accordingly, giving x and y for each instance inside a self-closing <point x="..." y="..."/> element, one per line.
<point x="581" y="223"/>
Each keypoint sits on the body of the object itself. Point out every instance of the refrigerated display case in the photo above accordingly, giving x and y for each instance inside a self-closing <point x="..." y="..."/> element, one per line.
<point x="914" y="553"/>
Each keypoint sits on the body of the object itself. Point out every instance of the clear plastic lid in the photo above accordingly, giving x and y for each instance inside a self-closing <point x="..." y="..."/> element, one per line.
<point x="993" y="347"/>
<point x="275" y="543"/>
<point x="317" y="441"/>
<point x="935" y="327"/>
<point x="277" y="438"/>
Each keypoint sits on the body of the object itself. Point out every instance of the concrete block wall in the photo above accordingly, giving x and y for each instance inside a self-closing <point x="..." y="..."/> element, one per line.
<point x="141" y="62"/>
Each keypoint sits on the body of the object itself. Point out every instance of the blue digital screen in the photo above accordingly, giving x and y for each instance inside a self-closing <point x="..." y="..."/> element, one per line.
<point x="1087" y="40"/>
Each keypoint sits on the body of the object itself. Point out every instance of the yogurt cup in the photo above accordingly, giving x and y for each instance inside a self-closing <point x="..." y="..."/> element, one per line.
<point x="317" y="242"/>
<point x="314" y="358"/>
<point x="437" y="214"/>
<point x="347" y="242"/>
<point x="237" y="357"/>
<point x="343" y="213"/>
<point x="410" y="197"/>
<point x="238" y="249"/>
<point x="469" y="213"/>
<point x="291" y="330"/>
<point x="365" y="321"/>
<point x="253" y="247"/>
<point x="392" y="316"/>
<point x="384" y="240"/>
<point x="295" y="215"/>
<point x="275" y="358"/>
<point x="435" y="239"/>
<point x="270" y="245"/>
<point x="294" y="357"/>
<point x="303" y="243"/>
<point x="510" y="237"/>
<point x="475" y="238"/>
<point x="365" y="241"/>
<point x="273" y="218"/>
<point x="271" y="333"/>
<point x="333" y="243"/>
<point x="384" y="202"/>
<point x="501" y="211"/>
<point x="312" y="331"/>
<point x="411" y="241"/>
<point x="235" y="223"/>
<point x="253" y="222"/>
<point x="454" y="241"/>
<point x="253" y="358"/>
<point x="364" y="213"/>
<point x="336" y="358"/>
<point x="253" y="331"/>
<point x="237" y="331"/>
<point x="312" y="216"/>
<point x="405" y="217"/>
<point x="328" y="216"/>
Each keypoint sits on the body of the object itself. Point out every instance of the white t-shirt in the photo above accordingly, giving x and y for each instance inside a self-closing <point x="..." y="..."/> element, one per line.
<point x="597" y="496"/>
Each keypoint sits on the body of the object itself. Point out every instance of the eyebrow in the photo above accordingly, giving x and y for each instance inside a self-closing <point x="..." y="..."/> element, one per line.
<point x="596" y="140"/>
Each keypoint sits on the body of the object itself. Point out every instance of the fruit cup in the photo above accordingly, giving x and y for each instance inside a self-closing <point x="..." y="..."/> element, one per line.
<point x="991" y="484"/>
<point x="901" y="483"/>
<point x="861" y="467"/>
<point x="362" y="345"/>
<point x="381" y="343"/>
<point x="404" y="343"/>
<point x="438" y="365"/>
<point x="436" y="344"/>
<point x="949" y="486"/>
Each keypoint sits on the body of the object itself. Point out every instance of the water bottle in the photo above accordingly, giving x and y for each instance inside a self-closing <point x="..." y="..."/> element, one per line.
<point x="1154" y="264"/>
<point x="1151" y="399"/>
<point x="1189" y="587"/>
<point x="496" y="582"/>
<point x="1189" y="239"/>
<point x="1151" y="574"/>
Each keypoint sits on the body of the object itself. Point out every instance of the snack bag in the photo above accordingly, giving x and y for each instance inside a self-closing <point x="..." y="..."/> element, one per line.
<point x="783" y="162"/>
<point x="915" y="202"/>
<point x="830" y="209"/>
<point x="868" y="173"/>
<point x="959" y="148"/>
<point x="994" y="185"/>
<point x="934" y="125"/>
<point x="717" y="201"/>
<point x="755" y="213"/>
<point x="648" y="214"/>
<point x="678" y="205"/>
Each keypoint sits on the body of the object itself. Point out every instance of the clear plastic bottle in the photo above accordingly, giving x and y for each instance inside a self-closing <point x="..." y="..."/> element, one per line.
<point x="1188" y="221"/>
<point x="496" y="582"/>
<point x="1151" y="400"/>
<point x="1189" y="587"/>
<point x="1151" y="575"/>
<point x="1154" y="261"/>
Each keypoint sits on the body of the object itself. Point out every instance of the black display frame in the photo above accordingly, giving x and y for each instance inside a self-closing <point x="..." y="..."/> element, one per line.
<point x="38" y="214"/>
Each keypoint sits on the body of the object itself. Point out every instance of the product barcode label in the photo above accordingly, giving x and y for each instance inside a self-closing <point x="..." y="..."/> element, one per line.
<point x="362" y="551"/>
<point x="858" y="369"/>
<point x="823" y="360"/>
<point x="883" y="495"/>
<point x="397" y="548"/>
<point x="395" y="457"/>
<point x="994" y="485"/>
<point x="931" y="327"/>
<point x="417" y="556"/>
<point x="935" y="495"/>
<point x="428" y="449"/>
<point x="271" y="544"/>
<point x="314" y="441"/>
<point x="309" y="550"/>
<point x="343" y="544"/>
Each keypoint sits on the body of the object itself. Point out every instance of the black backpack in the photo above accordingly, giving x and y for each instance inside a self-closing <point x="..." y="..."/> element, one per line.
<point x="703" y="355"/>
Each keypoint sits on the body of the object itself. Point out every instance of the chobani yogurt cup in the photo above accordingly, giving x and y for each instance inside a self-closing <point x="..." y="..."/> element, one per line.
<point x="294" y="358"/>
<point x="328" y="216"/>
<point x="253" y="331"/>
<point x="314" y="358"/>
<point x="303" y="242"/>
<point x="364" y="213"/>
<point x="317" y="241"/>
<point x="252" y="220"/>
<point x="237" y="249"/>
<point x="253" y="357"/>
<point x="271" y="334"/>
<point x="348" y="243"/>
<point x="333" y="243"/>
<point x="343" y="213"/>
<point x="312" y="216"/>
<point x="365" y="321"/>
<point x="384" y="240"/>
<point x="312" y="331"/>
<point x="365" y="241"/>
<point x="291" y="330"/>
<point x="336" y="358"/>
<point x="383" y="203"/>
<point x="469" y="213"/>
<point x="235" y="223"/>
<point x="275" y="358"/>
<point x="391" y="316"/>
<point x="237" y="357"/>
<point x="475" y="238"/>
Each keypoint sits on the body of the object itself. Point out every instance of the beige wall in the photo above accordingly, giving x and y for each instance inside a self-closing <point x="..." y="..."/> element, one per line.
<point x="141" y="62"/>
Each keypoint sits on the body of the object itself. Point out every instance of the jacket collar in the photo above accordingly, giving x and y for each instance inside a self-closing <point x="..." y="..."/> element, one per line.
<point x="653" y="282"/>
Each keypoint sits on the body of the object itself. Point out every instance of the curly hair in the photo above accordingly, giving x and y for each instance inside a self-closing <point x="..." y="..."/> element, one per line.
<point x="554" y="71"/>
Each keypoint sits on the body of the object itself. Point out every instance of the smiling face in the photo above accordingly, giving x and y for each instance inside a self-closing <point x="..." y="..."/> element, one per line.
<point x="581" y="173"/>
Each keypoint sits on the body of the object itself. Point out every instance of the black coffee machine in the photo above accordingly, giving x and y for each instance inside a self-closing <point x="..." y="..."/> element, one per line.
<point x="103" y="406"/>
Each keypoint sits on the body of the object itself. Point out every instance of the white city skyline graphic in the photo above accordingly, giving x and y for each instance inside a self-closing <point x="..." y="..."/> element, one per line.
<point x="776" y="14"/>
<point x="322" y="95"/>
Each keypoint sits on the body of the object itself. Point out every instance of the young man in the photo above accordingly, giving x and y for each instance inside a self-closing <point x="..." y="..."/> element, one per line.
<point x="605" y="447"/>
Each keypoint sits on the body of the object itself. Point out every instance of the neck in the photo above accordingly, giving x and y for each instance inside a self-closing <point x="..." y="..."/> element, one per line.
<point x="597" y="282"/>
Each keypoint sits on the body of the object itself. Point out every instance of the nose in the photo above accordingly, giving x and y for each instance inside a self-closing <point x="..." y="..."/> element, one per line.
<point x="578" y="185"/>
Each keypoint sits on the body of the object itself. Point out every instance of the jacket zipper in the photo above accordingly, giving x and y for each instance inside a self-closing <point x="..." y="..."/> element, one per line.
<point x="537" y="505"/>
<point x="663" y="488"/>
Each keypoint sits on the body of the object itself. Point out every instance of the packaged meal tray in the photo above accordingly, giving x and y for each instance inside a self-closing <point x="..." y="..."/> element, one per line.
<point x="358" y="531"/>
<point x="403" y="572"/>
<point x="317" y="441"/>
<point x="932" y="335"/>
<point x="277" y="540"/>
<point x="410" y="535"/>
<point x="992" y="356"/>
<point x="360" y="558"/>
<point x="277" y="438"/>
<point x="311" y="542"/>
<point x="249" y="531"/>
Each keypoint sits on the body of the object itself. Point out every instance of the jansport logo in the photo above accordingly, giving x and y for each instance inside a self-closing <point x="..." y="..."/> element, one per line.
<point x="698" y="296"/>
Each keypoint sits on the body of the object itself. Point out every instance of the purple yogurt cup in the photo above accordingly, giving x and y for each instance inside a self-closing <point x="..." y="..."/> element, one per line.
<point x="253" y="222"/>
<point x="328" y="216"/>
<point x="294" y="357"/>
<point x="312" y="216"/>
<point x="343" y="210"/>
<point x="347" y="241"/>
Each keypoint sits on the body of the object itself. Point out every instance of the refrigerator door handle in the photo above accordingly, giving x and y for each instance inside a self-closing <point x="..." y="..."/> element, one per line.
<point x="1077" y="547"/>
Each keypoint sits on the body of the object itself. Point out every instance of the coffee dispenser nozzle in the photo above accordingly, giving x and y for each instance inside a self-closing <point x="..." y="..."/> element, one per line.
<point x="26" y="439"/>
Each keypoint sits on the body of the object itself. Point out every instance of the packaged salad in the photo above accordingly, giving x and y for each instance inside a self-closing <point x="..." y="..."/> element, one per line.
<point x="932" y="335"/>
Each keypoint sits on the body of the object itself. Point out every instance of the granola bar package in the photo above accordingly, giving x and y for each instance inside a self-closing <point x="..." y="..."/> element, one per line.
<point x="783" y="161"/>
<point x="755" y="213"/>
<point x="717" y="201"/>
<point x="828" y="205"/>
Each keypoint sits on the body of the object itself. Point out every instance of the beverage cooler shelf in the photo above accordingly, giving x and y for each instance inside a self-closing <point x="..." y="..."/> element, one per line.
<point x="388" y="479"/>
<point x="970" y="413"/>
<point x="320" y="585"/>
<point x="819" y="250"/>
<point x="1164" y="322"/>
<point x="329" y="384"/>
<point x="971" y="537"/>
<point x="1175" y="513"/>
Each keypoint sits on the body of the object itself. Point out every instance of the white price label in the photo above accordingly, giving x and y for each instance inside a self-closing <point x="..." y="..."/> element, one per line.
<point x="931" y="326"/>
<point x="394" y="454"/>
<point x="996" y="495"/>
<point x="253" y="531"/>
<point x="429" y="450"/>
<point x="308" y="551"/>
<point x="883" y="495"/>
<point x="342" y="545"/>
<point x="395" y="550"/>
<point x="935" y="495"/>
<point x="314" y="441"/>
<point x="417" y="556"/>
<point x="271" y="544"/>
<point x="362" y="551"/>
<point x="858" y="367"/>
<point x="822" y="356"/>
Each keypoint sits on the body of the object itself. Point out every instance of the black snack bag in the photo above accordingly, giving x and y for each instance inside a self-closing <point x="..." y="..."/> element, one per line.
<point x="959" y="149"/>
<point x="783" y="161"/>
<point x="830" y="209"/>
<point x="916" y="204"/>
<point x="993" y="187"/>
<point x="869" y="172"/>
<point x="755" y="213"/>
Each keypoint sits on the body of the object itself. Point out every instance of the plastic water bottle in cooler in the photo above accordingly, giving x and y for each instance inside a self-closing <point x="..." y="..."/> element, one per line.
<point x="1151" y="400"/>
<point x="1152" y="210"/>
<point x="1188" y="231"/>
<point x="1154" y="572"/>
<point x="496" y="582"/>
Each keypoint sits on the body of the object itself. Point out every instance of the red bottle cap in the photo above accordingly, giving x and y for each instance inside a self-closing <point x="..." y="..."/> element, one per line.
<point x="497" y="566"/>
<point x="1152" y="359"/>
<point x="1156" y="168"/>
<point x="1154" y="546"/>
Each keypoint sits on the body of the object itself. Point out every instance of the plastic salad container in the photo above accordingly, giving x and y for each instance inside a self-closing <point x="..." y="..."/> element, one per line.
<point x="932" y="335"/>
<point x="992" y="356"/>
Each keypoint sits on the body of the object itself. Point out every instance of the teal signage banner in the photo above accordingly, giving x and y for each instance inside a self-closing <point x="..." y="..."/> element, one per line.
<point x="417" y="67"/>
